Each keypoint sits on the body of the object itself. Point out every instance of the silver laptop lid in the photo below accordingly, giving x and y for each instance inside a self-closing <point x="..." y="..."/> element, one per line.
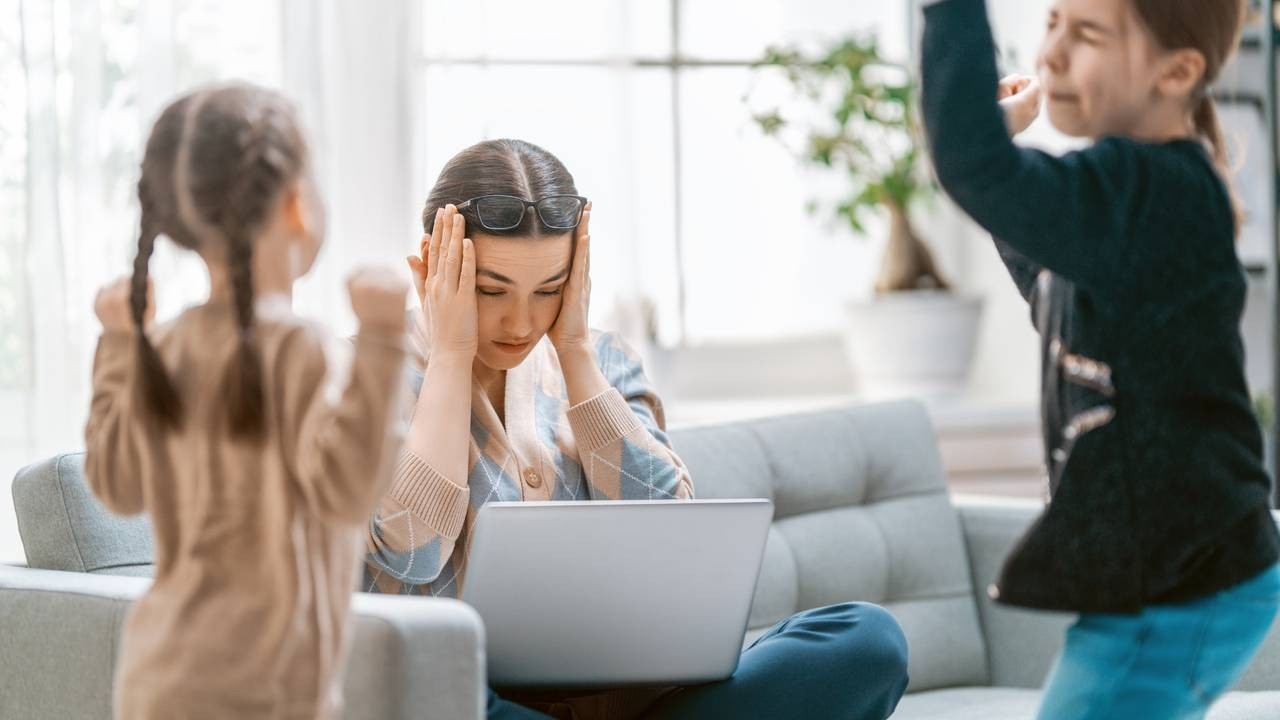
<point x="615" y="593"/>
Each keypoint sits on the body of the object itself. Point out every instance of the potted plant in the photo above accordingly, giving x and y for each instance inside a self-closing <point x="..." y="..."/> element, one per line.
<point x="916" y="336"/>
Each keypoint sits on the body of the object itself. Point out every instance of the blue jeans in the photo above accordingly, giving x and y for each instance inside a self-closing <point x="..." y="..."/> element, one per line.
<point x="1166" y="662"/>
<point x="840" y="661"/>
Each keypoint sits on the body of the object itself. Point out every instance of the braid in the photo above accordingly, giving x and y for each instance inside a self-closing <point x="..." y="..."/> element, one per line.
<point x="260" y="175"/>
<point x="158" y="393"/>
<point x="244" y="374"/>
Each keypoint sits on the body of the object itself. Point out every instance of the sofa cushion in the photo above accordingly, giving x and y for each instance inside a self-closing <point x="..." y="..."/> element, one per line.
<point x="861" y="513"/>
<point x="1021" y="704"/>
<point x="64" y="527"/>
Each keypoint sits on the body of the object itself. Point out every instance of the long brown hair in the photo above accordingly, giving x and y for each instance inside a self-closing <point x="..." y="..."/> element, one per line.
<point x="217" y="162"/>
<point x="499" y="167"/>
<point x="1212" y="27"/>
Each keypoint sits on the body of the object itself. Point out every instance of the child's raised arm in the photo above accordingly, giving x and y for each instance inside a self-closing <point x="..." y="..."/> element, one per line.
<point x="1068" y="214"/>
<point x="113" y="435"/>
<point x="342" y="451"/>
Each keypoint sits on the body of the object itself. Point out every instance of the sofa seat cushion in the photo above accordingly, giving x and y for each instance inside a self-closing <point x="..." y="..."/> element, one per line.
<point x="979" y="703"/>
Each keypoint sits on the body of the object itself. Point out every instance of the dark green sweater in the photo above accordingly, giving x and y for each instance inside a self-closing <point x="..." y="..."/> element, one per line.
<point x="1126" y="253"/>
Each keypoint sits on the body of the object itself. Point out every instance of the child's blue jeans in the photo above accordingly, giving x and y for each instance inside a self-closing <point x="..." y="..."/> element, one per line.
<point x="1166" y="662"/>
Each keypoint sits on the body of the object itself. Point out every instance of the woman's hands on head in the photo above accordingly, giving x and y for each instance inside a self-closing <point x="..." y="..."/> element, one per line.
<point x="570" y="331"/>
<point x="445" y="278"/>
<point x="1019" y="97"/>
<point x="570" y="334"/>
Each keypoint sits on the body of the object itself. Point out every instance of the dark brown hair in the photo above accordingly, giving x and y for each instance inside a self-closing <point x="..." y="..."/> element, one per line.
<point x="499" y="167"/>
<point x="216" y="164"/>
<point x="1212" y="27"/>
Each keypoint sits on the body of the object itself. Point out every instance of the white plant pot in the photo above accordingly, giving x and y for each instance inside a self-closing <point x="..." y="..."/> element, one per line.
<point x="917" y="343"/>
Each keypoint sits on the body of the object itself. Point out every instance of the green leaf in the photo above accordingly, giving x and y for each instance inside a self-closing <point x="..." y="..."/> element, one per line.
<point x="866" y="126"/>
<point x="770" y="123"/>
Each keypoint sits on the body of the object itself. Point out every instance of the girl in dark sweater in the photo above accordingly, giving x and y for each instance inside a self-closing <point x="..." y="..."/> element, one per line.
<point x="1159" y="532"/>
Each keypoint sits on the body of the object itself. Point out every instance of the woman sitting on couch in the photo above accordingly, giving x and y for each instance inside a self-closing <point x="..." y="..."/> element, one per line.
<point x="517" y="399"/>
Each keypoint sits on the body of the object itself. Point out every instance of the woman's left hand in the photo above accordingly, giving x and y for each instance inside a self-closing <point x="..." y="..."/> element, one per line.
<point x="570" y="331"/>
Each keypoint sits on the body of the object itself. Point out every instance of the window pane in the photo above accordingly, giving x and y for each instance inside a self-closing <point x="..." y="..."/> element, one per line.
<point x="757" y="263"/>
<point x="727" y="29"/>
<point x="547" y="29"/>
<point x="613" y="132"/>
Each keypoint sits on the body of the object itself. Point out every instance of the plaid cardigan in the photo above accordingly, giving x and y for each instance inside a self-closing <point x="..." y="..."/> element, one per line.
<point x="611" y="447"/>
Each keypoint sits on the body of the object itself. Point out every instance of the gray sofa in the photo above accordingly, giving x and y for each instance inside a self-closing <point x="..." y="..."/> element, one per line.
<point x="862" y="513"/>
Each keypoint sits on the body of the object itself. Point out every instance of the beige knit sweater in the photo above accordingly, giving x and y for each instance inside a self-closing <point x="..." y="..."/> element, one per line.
<point x="256" y="546"/>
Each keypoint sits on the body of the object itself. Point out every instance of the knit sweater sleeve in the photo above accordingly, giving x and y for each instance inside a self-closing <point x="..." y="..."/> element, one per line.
<point x="115" y="435"/>
<point x="621" y="433"/>
<point x="342" y="444"/>
<point x="1022" y="269"/>
<point x="1069" y="214"/>
<point x="416" y="524"/>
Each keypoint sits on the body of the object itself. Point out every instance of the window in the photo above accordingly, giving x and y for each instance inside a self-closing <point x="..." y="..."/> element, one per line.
<point x="698" y="215"/>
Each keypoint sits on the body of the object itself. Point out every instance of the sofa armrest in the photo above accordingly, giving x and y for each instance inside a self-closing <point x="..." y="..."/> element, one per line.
<point x="432" y="651"/>
<point x="61" y="632"/>
<point x="1021" y="644"/>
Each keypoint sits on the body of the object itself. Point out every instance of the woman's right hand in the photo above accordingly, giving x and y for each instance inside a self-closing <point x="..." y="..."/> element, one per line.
<point x="445" y="277"/>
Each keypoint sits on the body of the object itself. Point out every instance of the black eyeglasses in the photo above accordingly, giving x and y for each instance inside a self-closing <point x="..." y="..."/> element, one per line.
<point x="506" y="212"/>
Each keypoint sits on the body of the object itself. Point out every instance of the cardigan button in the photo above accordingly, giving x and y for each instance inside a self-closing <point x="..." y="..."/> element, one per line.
<point x="532" y="478"/>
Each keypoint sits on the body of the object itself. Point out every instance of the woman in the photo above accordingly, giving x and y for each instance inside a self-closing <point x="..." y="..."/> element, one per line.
<point x="519" y="400"/>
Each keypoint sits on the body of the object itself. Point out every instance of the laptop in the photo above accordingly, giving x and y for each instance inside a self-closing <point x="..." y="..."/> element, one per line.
<point x="615" y="593"/>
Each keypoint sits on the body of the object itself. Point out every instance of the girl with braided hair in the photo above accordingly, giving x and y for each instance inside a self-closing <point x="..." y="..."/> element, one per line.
<point x="221" y="425"/>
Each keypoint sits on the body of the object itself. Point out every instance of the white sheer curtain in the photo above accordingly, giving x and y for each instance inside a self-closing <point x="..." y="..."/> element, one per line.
<point x="354" y="70"/>
<point x="83" y="81"/>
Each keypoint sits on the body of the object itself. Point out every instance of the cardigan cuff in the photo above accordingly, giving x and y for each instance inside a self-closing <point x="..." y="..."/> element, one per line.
<point x="602" y="420"/>
<point x="439" y="503"/>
